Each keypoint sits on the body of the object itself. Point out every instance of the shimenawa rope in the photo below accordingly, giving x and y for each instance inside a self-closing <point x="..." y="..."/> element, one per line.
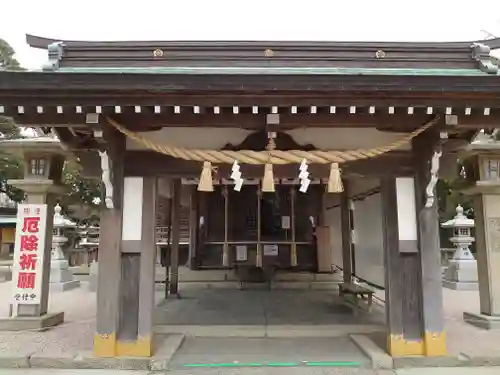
<point x="271" y="156"/>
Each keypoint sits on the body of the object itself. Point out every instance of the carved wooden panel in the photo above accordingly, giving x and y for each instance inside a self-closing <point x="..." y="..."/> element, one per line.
<point x="257" y="141"/>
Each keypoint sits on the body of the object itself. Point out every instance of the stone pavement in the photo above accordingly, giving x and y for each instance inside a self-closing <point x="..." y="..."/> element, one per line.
<point x="73" y="339"/>
<point x="266" y="371"/>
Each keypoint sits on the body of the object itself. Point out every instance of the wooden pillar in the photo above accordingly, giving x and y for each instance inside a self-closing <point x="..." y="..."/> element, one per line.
<point x="127" y="257"/>
<point x="345" y="224"/>
<point x="193" y="227"/>
<point x="225" y="246"/>
<point x="133" y="271"/>
<point x="352" y="236"/>
<point x="426" y="158"/>
<point x="293" y="253"/>
<point x="174" y="252"/>
<point x="411" y="257"/>
<point x="108" y="281"/>
<point x="258" y="254"/>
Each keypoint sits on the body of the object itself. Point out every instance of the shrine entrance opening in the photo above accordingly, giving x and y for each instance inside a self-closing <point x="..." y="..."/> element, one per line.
<point x="253" y="228"/>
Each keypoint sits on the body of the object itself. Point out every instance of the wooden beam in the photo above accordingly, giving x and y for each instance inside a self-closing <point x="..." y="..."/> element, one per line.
<point x="393" y="163"/>
<point x="305" y="97"/>
<point x="33" y="84"/>
<point x="150" y="121"/>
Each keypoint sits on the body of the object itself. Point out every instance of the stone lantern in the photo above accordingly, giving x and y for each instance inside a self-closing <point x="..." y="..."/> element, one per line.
<point x="482" y="171"/>
<point x="461" y="273"/>
<point x="61" y="277"/>
<point x="43" y="162"/>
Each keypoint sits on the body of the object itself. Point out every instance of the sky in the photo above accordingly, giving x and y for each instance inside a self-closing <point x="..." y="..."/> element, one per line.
<point x="361" y="20"/>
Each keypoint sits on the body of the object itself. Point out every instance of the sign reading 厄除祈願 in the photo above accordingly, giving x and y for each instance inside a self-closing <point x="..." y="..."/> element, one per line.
<point x="28" y="253"/>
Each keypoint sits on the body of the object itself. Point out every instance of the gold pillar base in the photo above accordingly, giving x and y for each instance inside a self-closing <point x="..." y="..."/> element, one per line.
<point x="433" y="344"/>
<point x="109" y="346"/>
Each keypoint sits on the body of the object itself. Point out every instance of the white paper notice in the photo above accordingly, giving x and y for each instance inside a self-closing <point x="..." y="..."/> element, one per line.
<point x="241" y="253"/>
<point x="28" y="253"/>
<point x="285" y="222"/>
<point x="270" y="250"/>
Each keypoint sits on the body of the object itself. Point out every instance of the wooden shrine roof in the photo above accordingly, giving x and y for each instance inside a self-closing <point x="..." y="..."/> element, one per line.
<point x="237" y="56"/>
<point x="152" y="84"/>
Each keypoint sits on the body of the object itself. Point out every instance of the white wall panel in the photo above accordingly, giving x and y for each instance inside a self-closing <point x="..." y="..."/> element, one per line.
<point x="369" y="248"/>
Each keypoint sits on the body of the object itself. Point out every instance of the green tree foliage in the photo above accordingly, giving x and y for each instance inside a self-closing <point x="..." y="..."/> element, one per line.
<point x="81" y="191"/>
<point x="7" y="59"/>
<point x="11" y="166"/>
<point x="449" y="197"/>
<point x="8" y="127"/>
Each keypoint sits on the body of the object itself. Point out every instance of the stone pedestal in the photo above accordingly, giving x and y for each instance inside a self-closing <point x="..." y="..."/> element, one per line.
<point x="461" y="275"/>
<point x="93" y="275"/>
<point x="61" y="277"/>
<point x="487" y="208"/>
<point x="482" y="320"/>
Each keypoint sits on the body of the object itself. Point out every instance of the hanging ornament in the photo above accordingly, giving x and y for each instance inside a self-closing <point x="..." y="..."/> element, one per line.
<point x="206" y="183"/>
<point x="268" y="180"/>
<point x="335" y="181"/>
<point x="304" y="177"/>
<point x="236" y="176"/>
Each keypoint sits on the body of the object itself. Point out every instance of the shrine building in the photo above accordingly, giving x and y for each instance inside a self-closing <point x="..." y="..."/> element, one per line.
<point x="260" y="149"/>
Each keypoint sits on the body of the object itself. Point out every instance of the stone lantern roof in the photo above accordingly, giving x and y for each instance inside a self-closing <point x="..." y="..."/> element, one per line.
<point x="43" y="143"/>
<point x="459" y="221"/>
<point x="60" y="221"/>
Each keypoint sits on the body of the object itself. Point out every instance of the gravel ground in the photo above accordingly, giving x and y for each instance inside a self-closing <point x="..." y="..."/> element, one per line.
<point x="74" y="336"/>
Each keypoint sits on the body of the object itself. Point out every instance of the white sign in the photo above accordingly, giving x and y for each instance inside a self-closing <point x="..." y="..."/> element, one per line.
<point x="270" y="250"/>
<point x="241" y="253"/>
<point x="28" y="253"/>
<point x="285" y="222"/>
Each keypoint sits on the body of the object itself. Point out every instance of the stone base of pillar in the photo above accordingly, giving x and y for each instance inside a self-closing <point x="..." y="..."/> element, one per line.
<point x="482" y="321"/>
<point x="461" y="275"/>
<point x="460" y="285"/>
<point x="93" y="274"/>
<point x="31" y="322"/>
<point x="6" y="276"/>
<point x="61" y="277"/>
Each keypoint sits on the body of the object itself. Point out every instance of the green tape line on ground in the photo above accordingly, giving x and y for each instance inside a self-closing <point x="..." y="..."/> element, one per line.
<point x="277" y="364"/>
<point x="223" y="365"/>
<point x="282" y="364"/>
<point x="334" y="364"/>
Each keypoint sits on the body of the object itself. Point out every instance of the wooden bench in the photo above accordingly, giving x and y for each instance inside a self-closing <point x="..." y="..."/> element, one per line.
<point x="359" y="293"/>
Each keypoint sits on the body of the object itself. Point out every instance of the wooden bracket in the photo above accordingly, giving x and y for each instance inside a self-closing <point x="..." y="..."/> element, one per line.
<point x="106" y="179"/>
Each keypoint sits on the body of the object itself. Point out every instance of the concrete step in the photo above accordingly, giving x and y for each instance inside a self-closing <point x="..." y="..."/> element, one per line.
<point x="236" y="285"/>
<point x="186" y="275"/>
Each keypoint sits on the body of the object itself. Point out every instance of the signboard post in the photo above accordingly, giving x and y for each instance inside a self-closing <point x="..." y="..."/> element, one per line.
<point x="27" y="272"/>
